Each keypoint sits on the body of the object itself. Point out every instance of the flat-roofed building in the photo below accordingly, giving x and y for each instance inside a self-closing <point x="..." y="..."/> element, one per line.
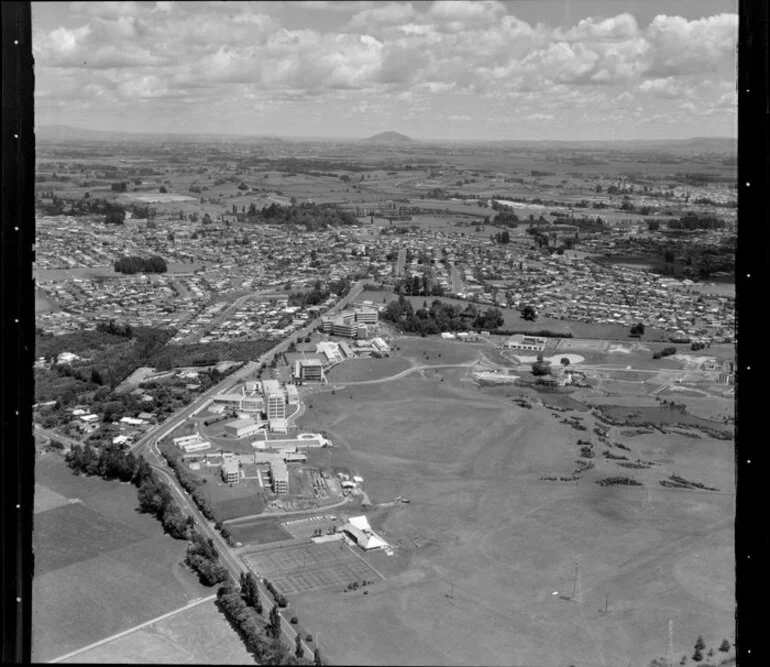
<point x="309" y="370"/>
<point x="186" y="439"/>
<point x="524" y="342"/>
<point x="253" y="403"/>
<point x="195" y="447"/>
<point x="292" y="394"/>
<point x="280" y="475"/>
<point x="366" y="315"/>
<point x="346" y="329"/>
<point x="230" y="400"/>
<point x="331" y="351"/>
<point x="381" y="346"/>
<point x="231" y="470"/>
<point x="242" y="428"/>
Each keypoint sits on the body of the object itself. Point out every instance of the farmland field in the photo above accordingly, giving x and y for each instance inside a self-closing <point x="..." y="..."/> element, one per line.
<point x="92" y="552"/>
<point x="484" y="525"/>
<point x="197" y="636"/>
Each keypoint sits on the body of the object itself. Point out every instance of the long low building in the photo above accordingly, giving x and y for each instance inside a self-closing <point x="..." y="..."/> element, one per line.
<point x="242" y="428"/>
<point x="195" y="447"/>
<point x="523" y="342"/>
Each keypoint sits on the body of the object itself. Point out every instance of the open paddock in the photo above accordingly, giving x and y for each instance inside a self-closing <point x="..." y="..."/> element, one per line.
<point x="199" y="635"/>
<point x="489" y="541"/>
<point x="81" y="603"/>
<point x="73" y="533"/>
<point x="45" y="499"/>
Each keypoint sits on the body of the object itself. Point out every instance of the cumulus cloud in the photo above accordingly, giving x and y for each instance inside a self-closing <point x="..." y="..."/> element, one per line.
<point x="399" y="51"/>
<point x="393" y="13"/>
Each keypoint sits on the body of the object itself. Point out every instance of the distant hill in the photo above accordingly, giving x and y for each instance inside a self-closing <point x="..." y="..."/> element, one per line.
<point x="390" y="138"/>
<point x="57" y="133"/>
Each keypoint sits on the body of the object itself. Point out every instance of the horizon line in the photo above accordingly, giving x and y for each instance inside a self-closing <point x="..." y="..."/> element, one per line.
<point x="363" y="138"/>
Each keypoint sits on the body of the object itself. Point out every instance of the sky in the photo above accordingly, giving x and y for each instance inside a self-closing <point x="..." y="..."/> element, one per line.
<point x="465" y="70"/>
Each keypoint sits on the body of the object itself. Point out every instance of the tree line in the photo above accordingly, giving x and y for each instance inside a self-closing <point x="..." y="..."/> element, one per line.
<point x="314" y="217"/>
<point x="440" y="317"/>
<point x="419" y="285"/>
<point x="202" y="556"/>
<point x="243" y="609"/>
<point x="191" y="483"/>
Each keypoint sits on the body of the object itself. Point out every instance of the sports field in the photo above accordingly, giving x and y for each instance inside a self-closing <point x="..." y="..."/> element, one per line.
<point x="100" y="566"/>
<point x="308" y="567"/>
<point x="486" y="542"/>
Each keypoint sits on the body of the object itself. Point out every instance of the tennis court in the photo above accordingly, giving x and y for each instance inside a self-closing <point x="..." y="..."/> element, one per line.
<point x="307" y="567"/>
<point x="586" y="344"/>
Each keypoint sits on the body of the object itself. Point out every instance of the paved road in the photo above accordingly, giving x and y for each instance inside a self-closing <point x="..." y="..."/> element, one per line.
<point x="457" y="283"/>
<point x="271" y="515"/>
<point x="65" y="440"/>
<point x="229" y="310"/>
<point x="189" y="605"/>
<point x="147" y="447"/>
<point x="400" y="263"/>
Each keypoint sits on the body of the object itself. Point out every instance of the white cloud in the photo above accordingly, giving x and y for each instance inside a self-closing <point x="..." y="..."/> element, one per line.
<point x="393" y="52"/>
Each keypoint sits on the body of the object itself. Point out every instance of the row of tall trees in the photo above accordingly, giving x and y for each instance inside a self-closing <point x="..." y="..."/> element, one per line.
<point x="262" y="639"/>
<point x="419" y="285"/>
<point x="440" y="317"/>
<point x="191" y="483"/>
<point x="313" y="216"/>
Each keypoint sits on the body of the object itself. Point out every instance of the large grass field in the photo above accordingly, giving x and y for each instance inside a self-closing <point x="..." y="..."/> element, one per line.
<point x="197" y="636"/>
<point x="482" y="525"/>
<point x="260" y="531"/>
<point x="101" y="567"/>
<point x="356" y="370"/>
